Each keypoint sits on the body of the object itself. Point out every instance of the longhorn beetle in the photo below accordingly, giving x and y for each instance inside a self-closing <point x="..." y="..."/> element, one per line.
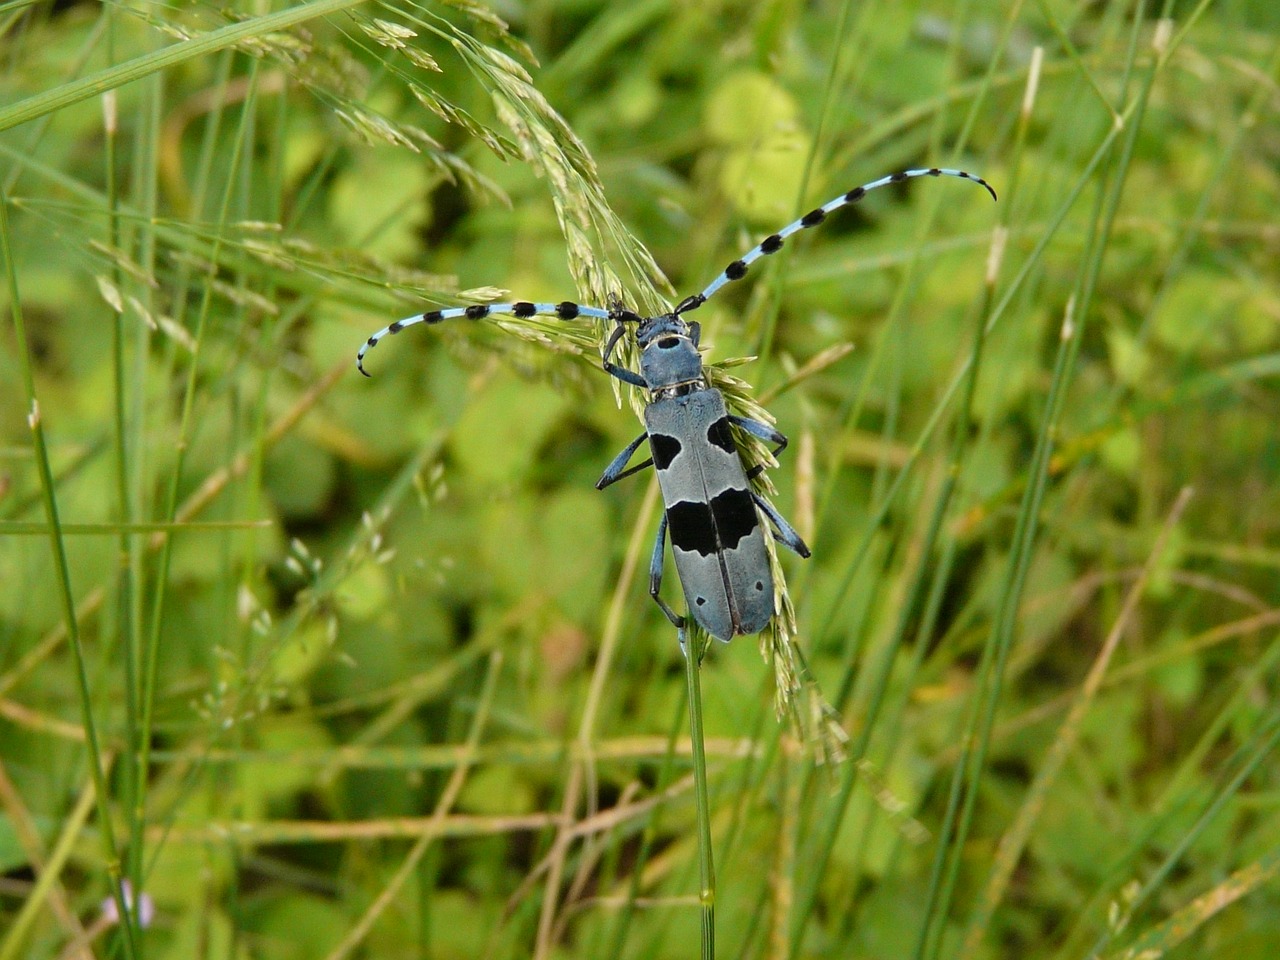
<point x="711" y="511"/>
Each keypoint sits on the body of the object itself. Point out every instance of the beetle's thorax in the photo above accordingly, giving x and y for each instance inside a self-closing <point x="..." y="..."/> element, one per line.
<point x="669" y="358"/>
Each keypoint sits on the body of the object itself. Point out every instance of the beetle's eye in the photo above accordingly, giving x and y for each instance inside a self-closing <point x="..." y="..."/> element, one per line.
<point x="666" y="343"/>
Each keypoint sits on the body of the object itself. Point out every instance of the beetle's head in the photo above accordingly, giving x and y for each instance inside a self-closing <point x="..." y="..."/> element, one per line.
<point x="668" y="352"/>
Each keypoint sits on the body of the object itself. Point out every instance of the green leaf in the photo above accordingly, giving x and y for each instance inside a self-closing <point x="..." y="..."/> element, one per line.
<point x="498" y="435"/>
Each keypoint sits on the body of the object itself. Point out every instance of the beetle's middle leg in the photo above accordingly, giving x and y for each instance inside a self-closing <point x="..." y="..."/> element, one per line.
<point x="655" y="573"/>
<point x="786" y="534"/>
<point x="766" y="433"/>
<point x="614" y="472"/>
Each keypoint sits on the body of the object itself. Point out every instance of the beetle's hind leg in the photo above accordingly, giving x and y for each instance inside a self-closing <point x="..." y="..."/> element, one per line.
<point x="786" y="534"/>
<point x="655" y="574"/>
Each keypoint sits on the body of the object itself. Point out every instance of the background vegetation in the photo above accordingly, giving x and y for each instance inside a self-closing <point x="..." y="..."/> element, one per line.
<point x="337" y="667"/>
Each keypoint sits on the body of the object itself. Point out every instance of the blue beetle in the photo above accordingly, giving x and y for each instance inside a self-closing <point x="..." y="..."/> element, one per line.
<point x="711" y="513"/>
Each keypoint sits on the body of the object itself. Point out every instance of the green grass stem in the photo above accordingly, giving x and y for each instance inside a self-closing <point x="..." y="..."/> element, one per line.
<point x="35" y="421"/>
<point x="694" y="648"/>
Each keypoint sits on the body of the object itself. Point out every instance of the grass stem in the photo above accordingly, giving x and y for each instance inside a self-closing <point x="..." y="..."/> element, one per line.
<point x="695" y="648"/>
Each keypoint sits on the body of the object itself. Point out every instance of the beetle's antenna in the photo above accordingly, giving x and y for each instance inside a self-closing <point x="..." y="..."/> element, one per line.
<point x="565" y="311"/>
<point x="773" y="243"/>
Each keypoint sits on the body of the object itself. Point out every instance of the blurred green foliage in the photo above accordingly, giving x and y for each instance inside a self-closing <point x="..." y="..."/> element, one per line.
<point x="285" y="687"/>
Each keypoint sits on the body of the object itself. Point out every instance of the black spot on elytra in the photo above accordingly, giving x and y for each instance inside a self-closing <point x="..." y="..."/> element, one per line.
<point x="665" y="449"/>
<point x="720" y="435"/>
<point x="691" y="527"/>
<point x="735" y="516"/>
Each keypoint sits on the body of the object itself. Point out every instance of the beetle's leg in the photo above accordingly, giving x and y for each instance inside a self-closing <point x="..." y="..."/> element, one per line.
<point x="619" y="317"/>
<point x="786" y="534"/>
<point x="614" y="472"/>
<point x="623" y="374"/>
<point x="765" y="433"/>
<point x="655" y="573"/>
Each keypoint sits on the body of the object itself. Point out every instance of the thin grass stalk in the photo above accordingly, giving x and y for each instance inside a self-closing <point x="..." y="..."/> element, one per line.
<point x="958" y="446"/>
<point x="694" y="649"/>
<point x="448" y="798"/>
<point x="1214" y="180"/>
<point x="145" y="163"/>
<point x="30" y="147"/>
<point x="127" y="623"/>
<point x="764" y="345"/>
<point x="852" y="413"/>
<point x="766" y="735"/>
<point x="1157" y="941"/>
<point x="1015" y="288"/>
<point x="577" y="766"/>
<point x="960" y="441"/>
<point x="1177" y="795"/>
<point x="58" y="546"/>
<point x="1266" y="738"/>
<point x="271" y="332"/>
<point x="238" y="417"/>
<point x="995" y="655"/>
<point x="666" y="774"/>
<point x="783" y="883"/>
<point x="756" y="768"/>
<point x="879" y="686"/>
<point x="189" y="393"/>
<point x="127" y="629"/>
<point x="173" y="55"/>
<point x="1103" y="221"/>
<point x="820" y="850"/>
<point x="1013" y="843"/>
<point x="195" y="502"/>
<point x="989" y="80"/>
<point x="47" y="875"/>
